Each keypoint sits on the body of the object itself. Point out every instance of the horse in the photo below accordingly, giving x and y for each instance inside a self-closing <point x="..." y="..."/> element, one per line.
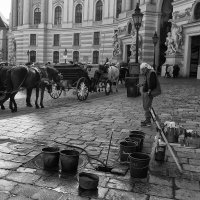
<point x="108" y="72"/>
<point x="39" y="77"/>
<point x="113" y="76"/>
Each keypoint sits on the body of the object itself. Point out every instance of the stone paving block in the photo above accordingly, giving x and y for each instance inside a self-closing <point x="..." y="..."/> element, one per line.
<point x="123" y="195"/>
<point x="183" y="194"/>
<point x="152" y="189"/>
<point x="8" y="165"/>
<point x="6" y="185"/>
<point x="158" y="198"/>
<point x="4" y="195"/>
<point x="23" y="177"/>
<point x="25" y="190"/>
<point x="3" y="172"/>
<point x="187" y="184"/>
<point x="119" y="184"/>
<point x="18" y="197"/>
<point x="194" y="162"/>
<point x="192" y="168"/>
<point x="46" y="194"/>
<point x="73" y="197"/>
<point x="161" y="180"/>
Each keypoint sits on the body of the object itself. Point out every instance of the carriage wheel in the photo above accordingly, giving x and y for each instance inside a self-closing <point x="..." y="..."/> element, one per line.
<point x="107" y="87"/>
<point x="55" y="91"/>
<point x="82" y="89"/>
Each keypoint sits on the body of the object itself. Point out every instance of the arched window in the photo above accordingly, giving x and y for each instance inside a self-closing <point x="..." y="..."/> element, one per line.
<point x="95" y="57"/>
<point x="129" y="28"/>
<point x="197" y="12"/>
<point x="32" y="56"/>
<point x="78" y="14"/>
<point x="58" y="15"/>
<point x="37" y="16"/>
<point x="99" y="9"/>
<point x="75" y="56"/>
<point x="55" y="57"/>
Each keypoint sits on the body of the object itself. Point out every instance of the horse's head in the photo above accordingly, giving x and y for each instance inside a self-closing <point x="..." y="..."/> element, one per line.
<point x="54" y="74"/>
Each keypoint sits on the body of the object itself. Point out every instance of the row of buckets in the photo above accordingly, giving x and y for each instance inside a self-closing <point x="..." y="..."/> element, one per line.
<point x="68" y="161"/>
<point x="131" y="153"/>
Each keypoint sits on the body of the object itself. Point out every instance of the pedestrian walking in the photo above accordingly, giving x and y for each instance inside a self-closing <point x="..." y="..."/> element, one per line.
<point x="151" y="89"/>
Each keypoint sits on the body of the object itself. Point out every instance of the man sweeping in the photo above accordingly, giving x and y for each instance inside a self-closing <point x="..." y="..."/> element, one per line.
<point x="151" y="89"/>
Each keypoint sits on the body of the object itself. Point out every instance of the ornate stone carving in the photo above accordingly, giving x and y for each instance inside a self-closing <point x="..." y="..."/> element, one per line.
<point x="117" y="44"/>
<point x="186" y="13"/>
<point x="78" y="1"/>
<point x="58" y="2"/>
<point x="36" y="3"/>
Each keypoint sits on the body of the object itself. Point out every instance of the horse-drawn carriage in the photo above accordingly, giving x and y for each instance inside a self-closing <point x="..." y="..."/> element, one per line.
<point x="82" y="79"/>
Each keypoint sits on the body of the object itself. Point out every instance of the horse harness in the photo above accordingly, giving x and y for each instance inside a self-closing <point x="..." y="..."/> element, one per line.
<point x="43" y="75"/>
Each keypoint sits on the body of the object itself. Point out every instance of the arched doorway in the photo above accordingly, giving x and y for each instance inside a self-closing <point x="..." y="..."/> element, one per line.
<point x="165" y="27"/>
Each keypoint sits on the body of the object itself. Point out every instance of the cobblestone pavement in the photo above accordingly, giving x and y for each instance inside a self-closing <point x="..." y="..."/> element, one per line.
<point x="89" y="125"/>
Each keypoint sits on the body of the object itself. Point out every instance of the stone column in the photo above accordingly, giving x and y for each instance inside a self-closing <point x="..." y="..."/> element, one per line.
<point x="14" y="11"/>
<point x="50" y="14"/>
<point x="91" y="10"/>
<point x="128" y="5"/>
<point x="43" y="11"/>
<point x="106" y="9"/>
<point x="85" y="10"/>
<point x="26" y="7"/>
<point x="70" y="11"/>
<point x="65" y="10"/>
<point x="123" y="5"/>
<point x="111" y="9"/>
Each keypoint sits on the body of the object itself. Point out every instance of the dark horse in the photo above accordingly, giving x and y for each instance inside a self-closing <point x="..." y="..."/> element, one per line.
<point x="39" y="77"/>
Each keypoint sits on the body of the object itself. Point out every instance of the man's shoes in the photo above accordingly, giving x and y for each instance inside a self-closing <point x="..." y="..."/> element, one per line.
<point x="146" y="123"/>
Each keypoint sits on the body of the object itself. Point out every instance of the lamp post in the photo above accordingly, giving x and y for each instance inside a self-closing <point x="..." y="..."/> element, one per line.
<point x="155" y="40"/>
<point x="65" y="55"/>
<point x="28" y="53"/>
<point x="137" y="19"/>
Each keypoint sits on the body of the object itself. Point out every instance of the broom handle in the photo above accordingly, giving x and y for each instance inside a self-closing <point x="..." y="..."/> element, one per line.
<point x="109" y="146"/>
<point x="165" y="139"/>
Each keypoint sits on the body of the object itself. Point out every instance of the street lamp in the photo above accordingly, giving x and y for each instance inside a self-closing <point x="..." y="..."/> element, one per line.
<point x="155" y="40"/>
<point x="137" y="19"/>
<point x="28" y="52"/>
<point x="65" y="55"/>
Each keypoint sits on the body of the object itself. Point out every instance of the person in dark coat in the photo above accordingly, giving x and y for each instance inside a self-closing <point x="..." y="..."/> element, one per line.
<point x="176" y="70"/>
<point x="151" y="89"/>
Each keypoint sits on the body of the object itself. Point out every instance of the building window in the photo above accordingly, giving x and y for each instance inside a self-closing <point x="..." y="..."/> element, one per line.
<point x="96" y="38"/>
<point x="55" y="57"/>
<point x="58" y="15"/>
<point x="32" y="56"/>
<point x="99" y="9"/>
<point x="56" y="40"/>
<point x="76" y="39"/>
<point x="33" y="39"/>
<point x="197" y="12"/>
<point x="95" y="57"/>
<point x="75" y="56"/>
<point x="37" y="16"/>
<point x="119" y="8"/>
<point x="129" y="28"/>
<point x="78" y="14"/>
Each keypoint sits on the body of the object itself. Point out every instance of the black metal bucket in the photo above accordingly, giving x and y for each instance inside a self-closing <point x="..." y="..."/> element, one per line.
<point x="69" y="160"/>
<point x="88" y="181"/>
<point x="137" y="135"/>
<point x="50" y="157"/>
<point x="160" y="152"/>
<point x="139" y="164"/>
<point x="126" y="148"/>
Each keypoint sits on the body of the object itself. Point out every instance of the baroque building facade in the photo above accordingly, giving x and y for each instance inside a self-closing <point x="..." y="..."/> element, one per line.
<point x="94" y="30"/>
<point x="3" y="39"/>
